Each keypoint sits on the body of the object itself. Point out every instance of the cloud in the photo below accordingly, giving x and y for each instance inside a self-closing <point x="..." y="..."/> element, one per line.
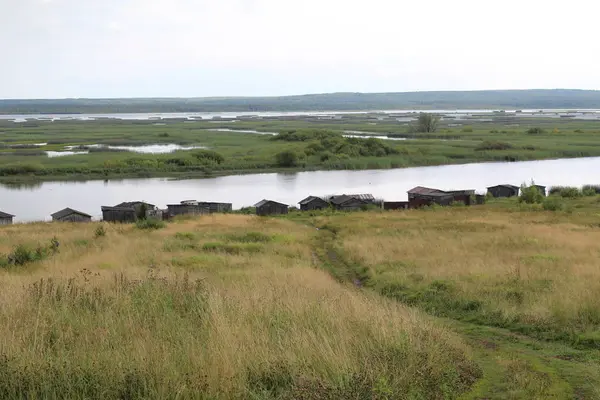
<point x="251" y="47"/>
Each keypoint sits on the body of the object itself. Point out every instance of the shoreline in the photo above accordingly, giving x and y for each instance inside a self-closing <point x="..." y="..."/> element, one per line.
<point x="185" y="175"/>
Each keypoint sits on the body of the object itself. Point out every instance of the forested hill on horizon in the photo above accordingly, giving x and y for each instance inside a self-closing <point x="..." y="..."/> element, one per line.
<point x="485" y="99"/>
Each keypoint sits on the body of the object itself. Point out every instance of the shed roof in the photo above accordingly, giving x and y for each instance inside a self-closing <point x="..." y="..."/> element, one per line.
<point x="339" y="200"/>
<point x="68" y="211"/>
<point x="425" y="191"/>
<point x="310" y="199"/>
<point x="109" y="208"/>
<point x="505" y="185"/>
<point x="5" y="215"/>
<point x="133" y="204"/>
<point x="265" y="201"/>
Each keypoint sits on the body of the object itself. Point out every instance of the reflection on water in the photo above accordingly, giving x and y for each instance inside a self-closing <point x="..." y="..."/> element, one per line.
<point x="37" y="201"/>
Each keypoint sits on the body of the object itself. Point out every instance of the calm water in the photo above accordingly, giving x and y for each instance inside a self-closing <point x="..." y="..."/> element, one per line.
<point x="457" y="114"/>
<point x="37" y="202"/>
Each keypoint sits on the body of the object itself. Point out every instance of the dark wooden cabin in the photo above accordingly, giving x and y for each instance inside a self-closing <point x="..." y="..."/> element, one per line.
<point x="347" y="202"/>
<point x="70" y="215"/>
<point x="395" y="205"/>
<point x="313" y="203"/>
<point x="542" y="189"/>
<point x="505" y="190"/>
<point x="422" y="196"/>
<point x="5" y="218"/>
<point x="462" y="196"/>
<point x="270" y="207"/>
<point x="187" y="208"/>
<point x="119" y="214"/>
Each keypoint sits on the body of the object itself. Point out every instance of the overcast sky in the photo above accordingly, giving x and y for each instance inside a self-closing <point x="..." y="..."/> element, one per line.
<point x="150" y="48"/>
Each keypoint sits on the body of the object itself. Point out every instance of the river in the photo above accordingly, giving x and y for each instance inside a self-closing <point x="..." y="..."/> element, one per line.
<point x="37" y="202"/>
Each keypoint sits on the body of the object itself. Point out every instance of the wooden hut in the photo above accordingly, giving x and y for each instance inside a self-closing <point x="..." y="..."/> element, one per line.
<point x="150" y="210"/>
<point x="395" y="205"/>
<point x="505" y="190"/>
<point x="348" y="202"/>
<point x="187" y="208"/>
<point x="462" y="196"/>
<point x="5" y="218"/>
<point x="70" y="215"/>
<point x="313" y="203"/>
<point x="542" y="189"/>
<point x="422" y="196"/>
<point x="270" y="207"/>
<point x="119" y="214"/>
<point x="214" y="207"/>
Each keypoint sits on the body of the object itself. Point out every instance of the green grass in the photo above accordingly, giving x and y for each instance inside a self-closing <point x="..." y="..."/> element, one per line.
<point x="504" y="139"/>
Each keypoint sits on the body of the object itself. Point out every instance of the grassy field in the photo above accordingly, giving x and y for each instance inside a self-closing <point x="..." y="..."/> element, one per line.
<point x="488" y="302"/>
<point x="494" y="137"/>
<point x="217" y="307"/>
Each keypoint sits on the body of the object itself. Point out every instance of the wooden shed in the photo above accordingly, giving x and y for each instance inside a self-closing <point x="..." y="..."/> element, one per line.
<point x="70" y="215"/>
<point x="151" y="211"/>
<point x="542" y="189"/>
<point x="505" y="190"/>
<point x="348" y="202"/>
<point x="395" y="205"/>
<point x="5" y="218"/>
<point x="119" y="214"/>
<point x="422" y="196"/>
<point x="187" y="208"/>
<point x="270" y="207"/>
<point x="214" y="207"/>
<point x="313" y="203"/>
<point x="462" y="196"/>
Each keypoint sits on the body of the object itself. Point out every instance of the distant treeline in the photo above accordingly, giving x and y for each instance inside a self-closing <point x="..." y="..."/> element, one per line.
<point x="487" y="99"/>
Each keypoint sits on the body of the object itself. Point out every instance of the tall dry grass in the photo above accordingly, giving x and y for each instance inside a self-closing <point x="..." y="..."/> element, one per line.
<point x="215" y="307"/>
<point x="531" y="271"/>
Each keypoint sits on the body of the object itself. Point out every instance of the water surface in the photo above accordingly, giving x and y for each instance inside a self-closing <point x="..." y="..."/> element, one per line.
<point x="38" y="201"/>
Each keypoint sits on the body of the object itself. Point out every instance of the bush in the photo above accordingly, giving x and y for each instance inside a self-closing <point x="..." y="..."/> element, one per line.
<point x="22" y="255"/>
<point x="569" y="192"/>
<point x="208" y="155"/>
<point x="150" y="224"/>
<point x="427" y="123"/>
<point x="467" y="129"/>
<point x="286" y="159"/>
<point x="493" y="145"/>
<point x="535" y="131"/>
<point x="590" y="190"/>
<point x="553" y="203"/>
<point x="530" y="195"/>
<point x="100" y="232"/>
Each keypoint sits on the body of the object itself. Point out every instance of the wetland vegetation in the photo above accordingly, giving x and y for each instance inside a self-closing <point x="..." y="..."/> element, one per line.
<point x="106" y="148"/>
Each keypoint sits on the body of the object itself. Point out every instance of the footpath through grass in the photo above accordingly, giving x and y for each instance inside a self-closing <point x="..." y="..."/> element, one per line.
<point x="518" y="283"/>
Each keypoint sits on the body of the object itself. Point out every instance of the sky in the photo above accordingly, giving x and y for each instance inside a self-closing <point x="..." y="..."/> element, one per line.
<point x="197" y="48"/>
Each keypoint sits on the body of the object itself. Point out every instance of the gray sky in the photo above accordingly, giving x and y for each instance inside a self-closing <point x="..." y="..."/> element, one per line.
<point x="148" y="48"/>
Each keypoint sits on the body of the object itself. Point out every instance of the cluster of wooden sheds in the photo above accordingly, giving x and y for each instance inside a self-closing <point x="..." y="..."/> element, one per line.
<point x="417" y="197"/>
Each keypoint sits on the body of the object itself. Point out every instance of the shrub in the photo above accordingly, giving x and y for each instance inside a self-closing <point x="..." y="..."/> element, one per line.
<point x="100" y="232"/>
<point x="535" y="131"/>
<point x="22" y="255"/>
<point x="208" y="155"/>
<point x="570" y="192"/>
<point x="553" y="203"/>
<point x="493" y="145"/>
<point x="150" y="224"/>
<point x="590" y="190"/>
<point x="286" y="158"/>
<point x="530" y="194"/>
<point x="467" y="129"/>
<point x="426" y="123"/>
